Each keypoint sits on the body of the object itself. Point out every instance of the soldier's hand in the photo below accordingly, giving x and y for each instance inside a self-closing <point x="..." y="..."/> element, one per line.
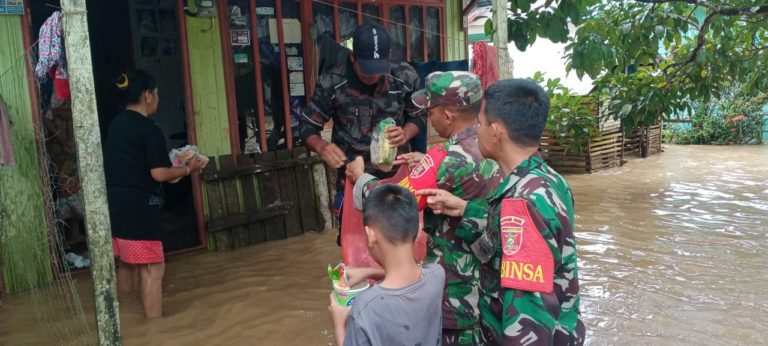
<point x="443" y="202"/>
<point x="396" y="136"/>
<point x="410" y="158"/>
<point x="332" y="155"/>
<point x="355" y="169"/>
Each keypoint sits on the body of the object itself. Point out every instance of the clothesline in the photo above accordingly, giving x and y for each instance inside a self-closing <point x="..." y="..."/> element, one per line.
<point x="411" y="27"/>
<point x="16" y="61"/>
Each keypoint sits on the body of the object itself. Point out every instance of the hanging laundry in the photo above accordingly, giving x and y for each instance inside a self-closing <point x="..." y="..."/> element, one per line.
<point x="485" y="63"/>
<point x="6" y="146"/>
<point x="51" y="57"/>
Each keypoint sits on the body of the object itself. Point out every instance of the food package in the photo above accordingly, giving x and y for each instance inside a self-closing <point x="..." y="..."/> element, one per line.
<point x="182" y="156"/>
<point x="382" y="154"/>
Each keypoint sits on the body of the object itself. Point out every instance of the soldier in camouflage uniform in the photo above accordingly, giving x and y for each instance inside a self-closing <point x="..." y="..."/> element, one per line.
<point x="453" y="101"/>
<point x="357" y="96"/>
<point x="529" y="282"/>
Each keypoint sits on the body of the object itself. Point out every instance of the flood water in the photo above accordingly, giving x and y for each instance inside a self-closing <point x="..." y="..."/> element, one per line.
<point x="672" y="250"/>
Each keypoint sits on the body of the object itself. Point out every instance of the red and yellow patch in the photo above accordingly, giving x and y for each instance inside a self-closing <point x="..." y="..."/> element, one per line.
<point x="424" y="175"/>
<point x="525" y="265"/>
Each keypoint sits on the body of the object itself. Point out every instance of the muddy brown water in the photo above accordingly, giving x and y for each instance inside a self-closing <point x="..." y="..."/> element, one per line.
<point x="673" y="250"/>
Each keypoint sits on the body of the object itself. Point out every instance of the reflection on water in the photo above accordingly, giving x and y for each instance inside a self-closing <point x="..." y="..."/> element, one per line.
<point x="672" y="251"/>
<point x="673" y="248"/>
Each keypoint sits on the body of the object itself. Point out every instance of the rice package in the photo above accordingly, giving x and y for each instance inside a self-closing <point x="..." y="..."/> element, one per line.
<point x="382" y="154"/>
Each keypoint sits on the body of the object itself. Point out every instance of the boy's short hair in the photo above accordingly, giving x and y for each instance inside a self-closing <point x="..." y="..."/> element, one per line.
<point x="521" y="106"/>
<point x="393" y="211"/>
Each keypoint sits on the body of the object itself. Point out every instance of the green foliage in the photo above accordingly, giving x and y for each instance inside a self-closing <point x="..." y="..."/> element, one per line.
<point x="570" y="116"/>
<point x="734" y="119"/>
<point x="651" y="58"/>
<point x="683" y="54"/>
<point x="549" y="20"/>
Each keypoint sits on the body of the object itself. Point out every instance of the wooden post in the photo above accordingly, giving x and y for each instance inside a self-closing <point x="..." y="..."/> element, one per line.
<point x="500" y="37"/>
<point x="88" y="140"/>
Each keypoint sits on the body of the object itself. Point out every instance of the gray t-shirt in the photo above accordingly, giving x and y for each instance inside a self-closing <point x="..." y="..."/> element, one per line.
<point x="406" y="316"/>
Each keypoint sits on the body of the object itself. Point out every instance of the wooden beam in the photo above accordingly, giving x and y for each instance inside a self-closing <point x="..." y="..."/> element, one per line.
<point x="91" y="168"/>
<point x="257" y="75"/>
<point x="249" y="217"/>
<point x="500" y="37"/>
<point x="189" y="114"/>
<point x="229" y="78"/>
<point x="284" y="74"/>
<point x="210" y="174"/>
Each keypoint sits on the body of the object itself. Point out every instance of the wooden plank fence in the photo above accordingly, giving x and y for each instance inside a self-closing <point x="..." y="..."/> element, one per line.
<point x="269" y="196"/>
<point x="644" y="141"/>
<point x="599" y="152"/>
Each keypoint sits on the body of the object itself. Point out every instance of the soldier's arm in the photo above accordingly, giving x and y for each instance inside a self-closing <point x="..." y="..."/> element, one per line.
<point x="415" y="117"/>
<point x="531" y="315"/>
<point x="317" y="113"/>
<point x="453" y="176"/>
<point x="363" y="186"/>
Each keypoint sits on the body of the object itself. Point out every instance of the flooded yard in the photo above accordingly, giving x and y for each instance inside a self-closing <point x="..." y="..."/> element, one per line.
<point x="673" y="249"/>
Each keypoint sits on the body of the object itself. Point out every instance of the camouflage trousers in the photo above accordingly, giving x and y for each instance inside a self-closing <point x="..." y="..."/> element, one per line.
<point x="461" y="337"/>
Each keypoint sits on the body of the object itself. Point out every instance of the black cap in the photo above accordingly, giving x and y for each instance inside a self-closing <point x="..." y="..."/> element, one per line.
<point x="371" y="44"/>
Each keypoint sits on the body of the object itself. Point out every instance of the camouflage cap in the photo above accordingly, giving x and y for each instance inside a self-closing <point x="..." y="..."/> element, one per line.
<point x="452" y="88"/>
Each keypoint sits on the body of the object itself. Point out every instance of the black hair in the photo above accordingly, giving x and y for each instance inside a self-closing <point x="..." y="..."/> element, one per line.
<point x="132" y="84"/>
<point x="393" y="211"/>
<point x="522" y="106"/>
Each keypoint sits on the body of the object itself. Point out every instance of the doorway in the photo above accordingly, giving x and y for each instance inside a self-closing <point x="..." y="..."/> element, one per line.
<point x="133" y="34"/>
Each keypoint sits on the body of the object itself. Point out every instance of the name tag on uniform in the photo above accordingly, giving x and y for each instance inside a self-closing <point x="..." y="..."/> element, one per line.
<point x="526" y="262"/>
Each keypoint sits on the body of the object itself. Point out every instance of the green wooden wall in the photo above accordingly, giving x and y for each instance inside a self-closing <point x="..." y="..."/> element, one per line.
<point x="455" y="43"/>
<point x="23" y="232"/>
<point x="208" y="86"/>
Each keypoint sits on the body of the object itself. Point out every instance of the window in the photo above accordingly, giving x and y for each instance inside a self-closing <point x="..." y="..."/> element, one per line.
<point x="347" y="19"/>
<point x="397" y="31"/>
<point x="322" y="14"/>
<point x="416" y="33"/>
<point x="371" y="13"/>
<point x="433" y="34"/>
<point x="241" y="45"/>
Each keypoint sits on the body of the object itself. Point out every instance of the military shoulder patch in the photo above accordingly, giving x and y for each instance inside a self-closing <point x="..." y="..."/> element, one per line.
<point x="526" y="261"/>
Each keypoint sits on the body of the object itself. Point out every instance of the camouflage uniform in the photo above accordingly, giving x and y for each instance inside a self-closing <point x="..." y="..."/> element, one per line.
<point x="514" y="316"/>
<point x="465" y="173"/>
<point x="339" y="95"/>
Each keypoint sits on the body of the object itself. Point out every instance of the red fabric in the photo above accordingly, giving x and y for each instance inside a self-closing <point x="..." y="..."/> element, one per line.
<point x="60" y="85"/>
<point x="61" y="88"/>
<point x="526" y="262"/>
<point x="138" y="251"/>
<point x="354" y="243"/>
<point x="424" y="175"/>
<point x="485" y="63"/>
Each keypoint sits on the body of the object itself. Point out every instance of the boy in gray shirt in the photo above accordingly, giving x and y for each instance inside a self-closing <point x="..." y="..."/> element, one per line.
<point x="404" y="307"/>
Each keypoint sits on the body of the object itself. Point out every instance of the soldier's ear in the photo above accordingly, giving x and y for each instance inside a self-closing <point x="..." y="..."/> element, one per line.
<point x="498" y="131"/>
<point x="450" y="114"/>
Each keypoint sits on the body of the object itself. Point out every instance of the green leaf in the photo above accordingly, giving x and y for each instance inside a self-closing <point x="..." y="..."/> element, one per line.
<point x="625" y="109"/>
<point x="488" y="27"/>
<point x="525" y="5"/>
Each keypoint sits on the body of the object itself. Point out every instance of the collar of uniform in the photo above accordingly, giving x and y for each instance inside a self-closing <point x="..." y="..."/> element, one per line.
<point x="355" y="82"/>
<point x="470" y="132"/>
<point x="522" y="170"/>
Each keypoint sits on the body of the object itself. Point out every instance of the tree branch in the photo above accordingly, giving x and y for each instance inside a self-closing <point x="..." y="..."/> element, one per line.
<point x="702" y="36"/>
<point x="699" y="42"/>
